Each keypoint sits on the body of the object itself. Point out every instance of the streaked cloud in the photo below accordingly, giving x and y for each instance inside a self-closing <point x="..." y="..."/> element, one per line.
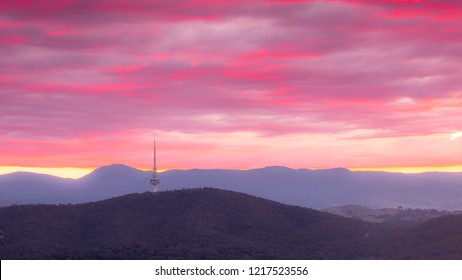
<point x="84" y="83"/>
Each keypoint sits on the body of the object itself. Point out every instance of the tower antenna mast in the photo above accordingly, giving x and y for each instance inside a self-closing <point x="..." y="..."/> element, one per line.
<point x="154" y="180"/>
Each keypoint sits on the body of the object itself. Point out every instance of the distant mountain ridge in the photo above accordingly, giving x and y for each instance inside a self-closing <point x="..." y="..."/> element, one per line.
<point x="308" y="188"/>
<point x="394" y="215"/>
<point x="213" y="224"/>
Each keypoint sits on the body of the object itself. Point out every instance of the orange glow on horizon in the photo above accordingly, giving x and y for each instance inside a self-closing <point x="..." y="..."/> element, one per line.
<point x="63" y="172"/>
<point x="78" y="172"/>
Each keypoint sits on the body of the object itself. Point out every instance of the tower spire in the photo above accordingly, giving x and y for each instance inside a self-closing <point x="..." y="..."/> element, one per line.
<point x="155" y="163"/>
<point x="155" y="182"/>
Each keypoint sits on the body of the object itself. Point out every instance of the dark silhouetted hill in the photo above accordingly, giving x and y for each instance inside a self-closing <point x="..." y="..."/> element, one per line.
<point x="212" y="224"/>
<point x="439" y="238"/>
<point x="187" y="224"/>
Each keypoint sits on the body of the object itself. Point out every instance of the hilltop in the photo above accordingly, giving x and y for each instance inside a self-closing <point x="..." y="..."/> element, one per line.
<point x="186" y="224"/>
<point x="212" y="224"/>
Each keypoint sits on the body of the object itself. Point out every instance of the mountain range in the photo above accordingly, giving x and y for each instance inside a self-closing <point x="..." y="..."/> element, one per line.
<point x="213" y="224"/>
<point x="301" y="187"/>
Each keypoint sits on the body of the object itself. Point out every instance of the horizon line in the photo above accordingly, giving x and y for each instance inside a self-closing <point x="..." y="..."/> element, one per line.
<point x="79" y="172"/>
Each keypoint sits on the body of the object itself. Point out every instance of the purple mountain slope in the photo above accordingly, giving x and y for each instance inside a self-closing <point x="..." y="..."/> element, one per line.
<point x="303" y="187"/>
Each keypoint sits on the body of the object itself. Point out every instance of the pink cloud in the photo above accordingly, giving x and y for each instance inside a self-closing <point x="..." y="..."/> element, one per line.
<point x="77" y="73"/>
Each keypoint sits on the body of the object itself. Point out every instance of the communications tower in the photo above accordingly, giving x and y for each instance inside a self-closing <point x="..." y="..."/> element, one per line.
<point x="154" y="180"/>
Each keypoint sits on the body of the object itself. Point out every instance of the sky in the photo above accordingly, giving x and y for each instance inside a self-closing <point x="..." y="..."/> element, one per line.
<point x="366" y="85"/>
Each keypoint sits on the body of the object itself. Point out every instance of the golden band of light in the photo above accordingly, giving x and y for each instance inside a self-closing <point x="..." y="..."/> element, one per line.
<point x="63" y="172"/>
<point x="76" y="172"/>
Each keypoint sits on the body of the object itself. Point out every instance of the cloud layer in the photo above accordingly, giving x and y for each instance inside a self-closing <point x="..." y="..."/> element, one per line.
<point x="230" y="84"/>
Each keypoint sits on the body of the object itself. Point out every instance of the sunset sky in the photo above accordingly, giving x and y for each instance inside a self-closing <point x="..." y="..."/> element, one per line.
<point x="373" y="85"/>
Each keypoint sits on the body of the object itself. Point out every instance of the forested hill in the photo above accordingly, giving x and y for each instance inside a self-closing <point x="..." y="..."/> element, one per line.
<point x="205" y="224"/>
